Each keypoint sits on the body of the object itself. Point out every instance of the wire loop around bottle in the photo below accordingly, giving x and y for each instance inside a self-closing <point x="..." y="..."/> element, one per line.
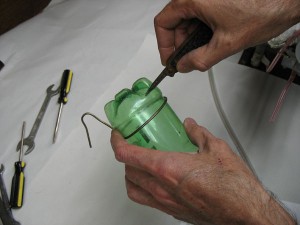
<point x="106" y="124"/>
<point x="148" y="120"/>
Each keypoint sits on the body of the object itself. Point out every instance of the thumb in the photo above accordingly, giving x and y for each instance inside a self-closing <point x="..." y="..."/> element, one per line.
<point x="198" y="135"/>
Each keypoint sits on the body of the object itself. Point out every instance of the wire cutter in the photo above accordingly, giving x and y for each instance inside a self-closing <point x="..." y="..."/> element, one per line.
<point x="199" y="37"/>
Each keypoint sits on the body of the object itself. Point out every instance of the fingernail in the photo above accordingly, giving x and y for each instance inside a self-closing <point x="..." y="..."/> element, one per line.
<point x="189" y="121"/>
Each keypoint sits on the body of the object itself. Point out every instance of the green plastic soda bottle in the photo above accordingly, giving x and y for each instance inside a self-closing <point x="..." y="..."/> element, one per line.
<point x="147" y="120"/>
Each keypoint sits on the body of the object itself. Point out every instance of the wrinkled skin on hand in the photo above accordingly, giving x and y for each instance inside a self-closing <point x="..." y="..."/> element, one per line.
<point x="236" y="25"/>
<point x="211" y="187"/>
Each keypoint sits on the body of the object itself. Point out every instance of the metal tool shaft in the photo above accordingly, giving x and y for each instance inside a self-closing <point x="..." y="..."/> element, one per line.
<point x="3" y="188"/>
<point x="21" y="155"/>
<point x="29" y="141"/>
<point x="57" y="122"/>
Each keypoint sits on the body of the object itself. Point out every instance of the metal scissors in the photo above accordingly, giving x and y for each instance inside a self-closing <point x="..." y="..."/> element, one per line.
<point x="200" y="36"/>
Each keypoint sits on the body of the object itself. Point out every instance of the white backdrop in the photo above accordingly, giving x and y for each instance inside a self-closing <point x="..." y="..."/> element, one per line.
<point x="109" y="44"/>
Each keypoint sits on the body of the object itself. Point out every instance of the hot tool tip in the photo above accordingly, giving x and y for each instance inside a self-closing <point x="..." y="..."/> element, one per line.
<point x="149" y="90"/>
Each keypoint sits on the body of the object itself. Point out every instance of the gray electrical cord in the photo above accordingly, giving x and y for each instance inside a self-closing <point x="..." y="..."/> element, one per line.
<point x="235" y="139"/>
<point x="226" y="123"/>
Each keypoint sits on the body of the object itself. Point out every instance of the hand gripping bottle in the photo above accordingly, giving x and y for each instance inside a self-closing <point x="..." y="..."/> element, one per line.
<point x="147" y="120"/>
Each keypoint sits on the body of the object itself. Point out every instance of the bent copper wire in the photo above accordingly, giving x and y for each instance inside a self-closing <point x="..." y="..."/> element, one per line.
<point x="148" y="120"/>
<point x="106" y="124"/>
<point x="292" y="77"/>
<point x="282" y="50"/>
<point x="282" y="96"/>
<point x="86" y="129"/>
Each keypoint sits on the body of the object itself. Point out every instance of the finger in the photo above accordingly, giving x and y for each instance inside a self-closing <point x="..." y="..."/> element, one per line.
<point x="165" y="23"/>
<point x="197" y="134"/>
<point x="165" y="43"/>
<point x="138" y="195"/>
<point x="182" y="31"/>
<point x="131" y="154"/>
<point x="153" y="186"/>
<point x="208" y="55"/>
<point x="160" y="164"/>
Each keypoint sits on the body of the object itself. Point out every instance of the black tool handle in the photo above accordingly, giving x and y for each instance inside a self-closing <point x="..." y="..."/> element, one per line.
<point x="17" y="186"/>
<point x="200" y="36"/>
<point x="65" y="86"/>
<point x="1" y="65"/>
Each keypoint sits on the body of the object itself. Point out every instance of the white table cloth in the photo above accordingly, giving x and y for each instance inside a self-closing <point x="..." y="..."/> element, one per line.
<point x="109" y="44"/>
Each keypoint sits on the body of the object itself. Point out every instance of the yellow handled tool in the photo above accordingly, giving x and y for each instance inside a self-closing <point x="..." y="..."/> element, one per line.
<point x="18" y="181"/>
<point x="65" y="87"/>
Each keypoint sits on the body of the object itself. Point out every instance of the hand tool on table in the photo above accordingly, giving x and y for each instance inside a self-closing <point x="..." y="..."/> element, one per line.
<point x="18" y="181"/>
<point x="29" y="141"/>
<point x="5" y="210"/>
<point x="1" y="65"/>
<point x="65" y="87"/>
<point x="199" y="37"/>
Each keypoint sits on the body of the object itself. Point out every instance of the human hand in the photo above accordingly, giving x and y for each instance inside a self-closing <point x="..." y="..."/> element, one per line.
<point x="236" y="25"/>
<point x="212" y="187"/>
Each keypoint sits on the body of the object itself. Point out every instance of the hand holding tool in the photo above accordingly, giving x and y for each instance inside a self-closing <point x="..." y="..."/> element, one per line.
<point x="200" y="36"/>
<point x="65" y="87"/>
<point x="29" y="141"/>
<point x="5" y="211"/>
<point x="18" y="181"/>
